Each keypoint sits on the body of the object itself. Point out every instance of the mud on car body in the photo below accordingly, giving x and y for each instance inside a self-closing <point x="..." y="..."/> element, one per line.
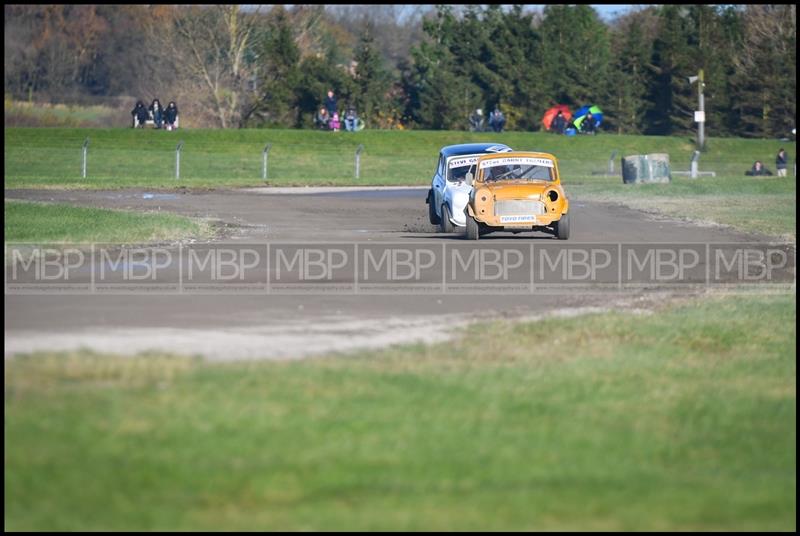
<point x="449" y="192"/>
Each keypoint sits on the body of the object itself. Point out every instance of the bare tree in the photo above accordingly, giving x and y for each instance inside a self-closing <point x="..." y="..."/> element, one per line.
<point x="208" y="45"/>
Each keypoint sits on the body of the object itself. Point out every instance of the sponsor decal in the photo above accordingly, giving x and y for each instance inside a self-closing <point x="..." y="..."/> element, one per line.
<point x="463" y="161"/>
<point x="518" y="219"/>
<point x="516" y="161"/>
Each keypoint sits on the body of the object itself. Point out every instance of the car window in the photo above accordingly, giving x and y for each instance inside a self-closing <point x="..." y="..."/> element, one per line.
<point x="458" y="166"/>
<point x="518" y="168"/>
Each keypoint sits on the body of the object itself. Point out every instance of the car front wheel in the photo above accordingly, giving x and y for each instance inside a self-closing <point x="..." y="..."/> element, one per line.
<point x="432" y="216"/>
<point x="562" y="227"/>
<point x="446" y="225"/>
<point x="473" y="231"/>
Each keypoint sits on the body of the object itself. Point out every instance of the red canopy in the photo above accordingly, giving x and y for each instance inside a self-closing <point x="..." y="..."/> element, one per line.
<point x="550" y="114"/>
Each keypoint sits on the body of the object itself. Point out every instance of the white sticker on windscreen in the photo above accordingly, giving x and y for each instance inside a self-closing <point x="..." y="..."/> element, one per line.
<point x="463" y="161"/>
<point x="517" y="161"/>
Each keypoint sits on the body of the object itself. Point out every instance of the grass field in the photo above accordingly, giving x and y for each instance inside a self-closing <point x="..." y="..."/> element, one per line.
<point x="124" y="158"/>
<point x="39" y="223"/>
<point x="680" y="420"/>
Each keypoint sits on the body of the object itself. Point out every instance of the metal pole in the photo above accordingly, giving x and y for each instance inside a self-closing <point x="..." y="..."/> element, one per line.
<point x="358" y="160"/>
<point x="611" y="163"/>
<point x="85" y="151"/>
<point x="265" y="153"/>
<point x="178" y="160"/>
<point x="701" y="127"/>
<point x="694" y="164"/>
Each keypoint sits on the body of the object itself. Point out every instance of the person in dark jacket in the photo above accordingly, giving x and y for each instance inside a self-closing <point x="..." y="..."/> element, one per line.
<point x="497" y="120"/>
<point x="589" y="125"/>
<point x="780" y="162"/>
<point x="559" y="123"/>
<point x="171" y="116"/>
<point x="139" y="114"/>
<point x="157" y="113"/>
<point x="330" y="103"/>
<point x="758" y="170"/>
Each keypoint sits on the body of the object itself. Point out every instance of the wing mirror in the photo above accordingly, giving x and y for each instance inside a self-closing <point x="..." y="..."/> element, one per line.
<point x="469" y="178"/>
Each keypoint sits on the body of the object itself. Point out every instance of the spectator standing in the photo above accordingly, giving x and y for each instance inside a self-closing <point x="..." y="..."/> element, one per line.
<point x="780" y="163"/>
<point x="559" y="124"/>
<point x="322" y="119"/>
<point x="497" y="120"/>
<point x="330" y="103"/>
<point x="139" y="114"/>
<point x="157" y="113"/>
<point x="171" y="116"/>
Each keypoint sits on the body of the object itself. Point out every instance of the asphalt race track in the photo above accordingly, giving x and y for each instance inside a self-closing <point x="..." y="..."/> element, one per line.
<point x="265" y="323"/>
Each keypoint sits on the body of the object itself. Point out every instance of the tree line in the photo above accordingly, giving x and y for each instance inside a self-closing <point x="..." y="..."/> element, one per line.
<point x="419" y="67"/>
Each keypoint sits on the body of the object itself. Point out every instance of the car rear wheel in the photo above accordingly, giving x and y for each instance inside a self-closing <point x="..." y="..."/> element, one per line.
<point x="432" y="216"/>
<point x="473" y="231"/>
<point x="446" y="225"/>
<point x="562" y="227"/>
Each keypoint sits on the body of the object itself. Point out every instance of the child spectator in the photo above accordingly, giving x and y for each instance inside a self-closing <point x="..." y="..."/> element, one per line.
<point x="335" y="125"/>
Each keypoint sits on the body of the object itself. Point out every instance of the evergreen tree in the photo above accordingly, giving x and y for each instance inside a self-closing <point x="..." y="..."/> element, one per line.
<point x="671" y="98"/>
<point x="632" y="45"/>
<point x="371" y="79"/>
<point x="576" y="55"/>
<point x="279" y="74"/>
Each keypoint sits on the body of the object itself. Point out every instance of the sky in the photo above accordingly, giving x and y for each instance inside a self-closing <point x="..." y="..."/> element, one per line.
<point x="606" y="11"/>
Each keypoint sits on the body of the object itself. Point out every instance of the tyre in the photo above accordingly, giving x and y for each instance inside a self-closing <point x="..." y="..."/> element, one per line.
<point x="446" y="226"/>
<point x="562" y="227"/>
<point x="432" y="216"/>
<point x="473" y="231"/>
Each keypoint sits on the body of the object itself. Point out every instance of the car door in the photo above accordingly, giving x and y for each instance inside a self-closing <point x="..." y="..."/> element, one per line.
<point x="439" y="185"/>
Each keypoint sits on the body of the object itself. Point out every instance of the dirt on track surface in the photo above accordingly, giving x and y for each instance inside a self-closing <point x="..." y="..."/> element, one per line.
<point x="275" y="326"/>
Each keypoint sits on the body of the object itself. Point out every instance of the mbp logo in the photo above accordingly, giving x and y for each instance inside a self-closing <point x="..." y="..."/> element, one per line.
<point x="488" y="268"/>
<point x="393" y="268"/>
<point x="312" y="267"/>
<point x="576" y="265"/>
<point x="135" y="269"/>
<point x="664" y="264"/>
<point x="48" y="268"/>
<point x="224" y="267"/>
<point x="751" y="263"/>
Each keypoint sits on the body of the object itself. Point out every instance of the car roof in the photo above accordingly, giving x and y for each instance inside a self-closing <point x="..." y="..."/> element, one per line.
<point x="474" y="148"/>
<point x="522" y="154"/>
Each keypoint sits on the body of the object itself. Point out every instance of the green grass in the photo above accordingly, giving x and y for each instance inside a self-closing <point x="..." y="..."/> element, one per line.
<point x="680" y="420"/>
<point x="127" y="158"/>
<point x="38" y="223"/>
<point x="764" y="205"/>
